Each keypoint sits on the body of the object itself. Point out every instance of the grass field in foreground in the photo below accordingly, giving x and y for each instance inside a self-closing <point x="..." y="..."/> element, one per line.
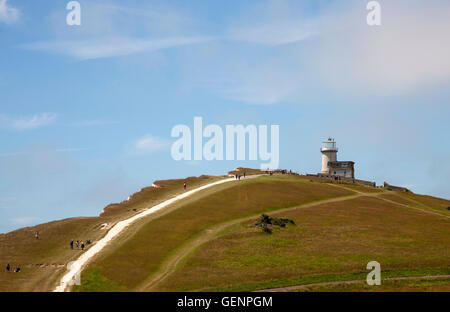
<point x="43" y="261"/>
<point x="425" y="284"/>
<point x="127" y="265"/>
<point x="330" y="242"/>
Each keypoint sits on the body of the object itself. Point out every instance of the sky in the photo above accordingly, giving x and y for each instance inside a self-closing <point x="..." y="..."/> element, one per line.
<point x="86" y="112"/>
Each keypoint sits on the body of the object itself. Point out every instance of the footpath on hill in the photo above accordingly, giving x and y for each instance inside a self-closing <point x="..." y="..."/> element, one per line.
<point x="82" y="261"/>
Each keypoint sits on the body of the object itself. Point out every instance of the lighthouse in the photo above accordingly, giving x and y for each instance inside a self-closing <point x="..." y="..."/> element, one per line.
<point x="329" y="153"/>
<point x="331" y="167"/>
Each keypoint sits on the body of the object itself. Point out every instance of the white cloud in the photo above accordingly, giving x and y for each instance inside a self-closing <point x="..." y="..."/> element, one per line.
<point x="10" y="154"/>
<point x="48" y="151"/>
<point x="8" y="14"/>
<point x="150" y="144"/>
<point x="409" y="50"/>
<point x="27" y="122"/>
<point x="108" y="30"/>
<point x="330" y="51"/>
<point x="111" y="47"/>
<point x="69" y="149"/>
<point x="92" y="123"/>
<point x="275" y="33"/>
<point x="7" y="199"/>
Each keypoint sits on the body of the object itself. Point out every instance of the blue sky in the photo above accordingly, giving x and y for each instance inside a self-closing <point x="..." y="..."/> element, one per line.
<point x="86" y="111"/>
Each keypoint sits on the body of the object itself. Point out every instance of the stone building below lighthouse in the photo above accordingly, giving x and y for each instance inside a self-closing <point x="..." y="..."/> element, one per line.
<point x="331" y="166"/>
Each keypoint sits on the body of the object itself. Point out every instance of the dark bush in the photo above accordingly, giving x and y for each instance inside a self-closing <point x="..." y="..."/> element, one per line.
<point x="265" y="222"/>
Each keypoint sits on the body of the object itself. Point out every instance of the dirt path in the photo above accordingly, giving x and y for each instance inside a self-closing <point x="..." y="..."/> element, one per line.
<point x="81" y="262"/>
<point x="170" y="265"/>
<point x="298" y="287"/>
<point x="377" y="195"/>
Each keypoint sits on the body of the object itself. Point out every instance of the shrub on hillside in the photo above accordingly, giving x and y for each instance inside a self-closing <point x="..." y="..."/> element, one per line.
<point x="266" y="223"/>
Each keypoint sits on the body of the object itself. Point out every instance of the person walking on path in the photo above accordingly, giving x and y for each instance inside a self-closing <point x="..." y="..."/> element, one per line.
<point x="184" y="185"/>
<point x="77" y="244"/>
<point x="71" y="244"/>
<point x="82" y="245"/>
<point x="8" y="268"/>
<point x="36" y="235"/>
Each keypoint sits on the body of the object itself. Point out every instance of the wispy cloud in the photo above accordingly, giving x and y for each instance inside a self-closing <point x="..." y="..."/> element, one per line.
<point x="27" y="122"/>
<point x="111" y="47"/>
<point x="11" y="154"/>
<point x="150" y="144"/>
<point x="69" y="149"/>
<point x="110" y="30"/>
<point x="47" y="151"/>
<point x="7" y="199"/>
<point x="275" y="33"/>
<point x="408" y="51"/>
<point x="8" y="14"/>
<point x="331" y="51"/>
<point x="92" y="123"/>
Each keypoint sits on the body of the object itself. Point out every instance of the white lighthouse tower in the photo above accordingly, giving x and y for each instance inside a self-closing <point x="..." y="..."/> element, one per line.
<point x="329" y="153"/>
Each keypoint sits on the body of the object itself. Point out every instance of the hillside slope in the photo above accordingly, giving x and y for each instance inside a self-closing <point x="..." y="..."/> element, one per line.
<point x="208" y="240"/>
<point x="210" y="243"/>
<point x="43" y="261"/>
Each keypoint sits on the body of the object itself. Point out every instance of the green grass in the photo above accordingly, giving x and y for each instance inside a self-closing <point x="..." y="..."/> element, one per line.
<point x="324" y="278"/>
<point x="329" y="242"/>
<point x="409" y="285"/>
<point x="431" y="203"/>
<point x="139" y="256"/>
<point x="97" y="282"/>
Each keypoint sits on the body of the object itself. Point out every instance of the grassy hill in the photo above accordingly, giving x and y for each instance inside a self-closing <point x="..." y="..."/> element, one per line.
<point x="208" y="241"/>
<point x="43" y="261"/>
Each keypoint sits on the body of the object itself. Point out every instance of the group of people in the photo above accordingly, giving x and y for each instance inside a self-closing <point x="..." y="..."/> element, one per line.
<point x="8" y="269"/>
<point x="238" y="176"/>
<point x="79" y="244"/>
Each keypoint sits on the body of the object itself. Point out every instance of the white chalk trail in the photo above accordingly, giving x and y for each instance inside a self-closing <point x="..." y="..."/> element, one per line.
<point x="77" y="265"/>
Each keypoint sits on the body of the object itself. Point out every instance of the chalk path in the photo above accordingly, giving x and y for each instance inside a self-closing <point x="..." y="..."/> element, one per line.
<point x="78" y="264"/>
